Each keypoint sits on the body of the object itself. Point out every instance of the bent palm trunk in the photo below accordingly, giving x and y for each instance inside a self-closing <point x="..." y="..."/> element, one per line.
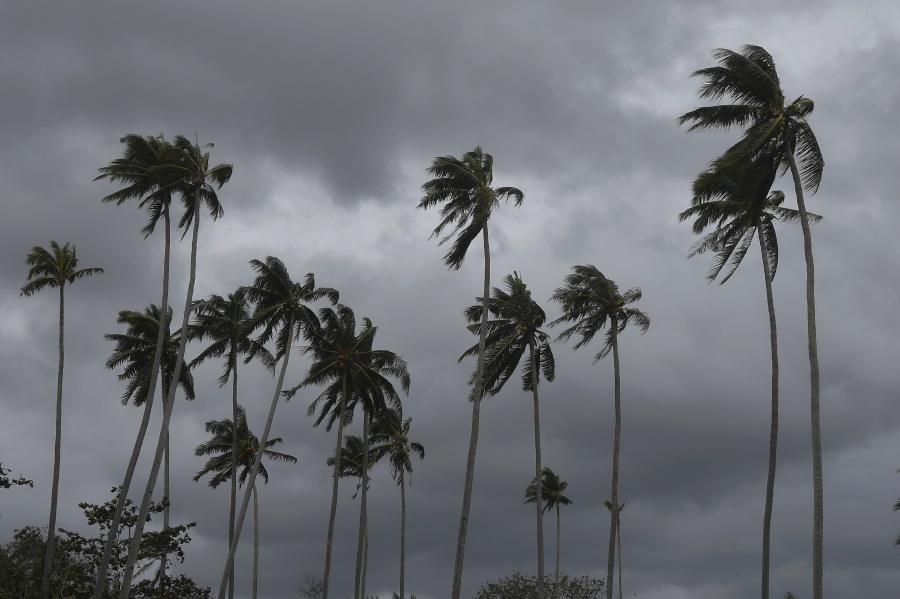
<point x="614" y="512"/>
<point x="334" y="488"/>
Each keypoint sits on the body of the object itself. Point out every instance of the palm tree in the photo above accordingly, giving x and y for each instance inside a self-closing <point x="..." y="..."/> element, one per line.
<point x="283" y="315"/>
<point x="621" y="507"/>
<point x="513" y="329"/>
<point x="354" y="372"/>
<point x="57" y="267"/>
<point x="226" y="323"/>
<point x="140" y="170"/>
<point x="780" y="133"/>
<point x="225" y="437"/>
<point x="734" y="203"/>
<point x="590" y="300"/>
<point x="550" y="493"/>
<point x="391" y="427"/>
<point x="463" y="187"/>
<point x="188" y="164"/>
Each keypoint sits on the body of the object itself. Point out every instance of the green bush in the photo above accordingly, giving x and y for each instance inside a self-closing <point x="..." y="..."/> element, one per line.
<point x="521" y="586"/>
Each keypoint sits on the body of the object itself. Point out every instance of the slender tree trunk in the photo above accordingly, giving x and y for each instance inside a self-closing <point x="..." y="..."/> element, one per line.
<point x="556" y="585"/>
<point x="614" y="489"/>
<point x="619" y="548"/>
<point x="234" y="465"/>
<point x="358" y="587"/>
<point x="402" y="534"/>
<point x="539" y="500"/>
<point x="818" y="485"/>
<point x="57" y="452"/>
<point x="476" y="416"/>
<point x="111" y="537"/>
<point x="334" y="487"/>
<point x="773" y="430"/>
<point x="168" y="408"/>
<point x="365" y="565"/>
<point x="257" y="458"/>
<point x="255" y="538"/>
<point x="162" y="560"/>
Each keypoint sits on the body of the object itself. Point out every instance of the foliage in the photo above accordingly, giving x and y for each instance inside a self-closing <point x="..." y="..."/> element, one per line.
<point x="521" y="586"/>
<point x="6" y="482"/>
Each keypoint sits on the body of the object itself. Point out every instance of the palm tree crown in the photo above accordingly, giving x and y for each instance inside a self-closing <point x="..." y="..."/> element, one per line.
<point x="55" y="268"/>
<point x="552" y="490"/>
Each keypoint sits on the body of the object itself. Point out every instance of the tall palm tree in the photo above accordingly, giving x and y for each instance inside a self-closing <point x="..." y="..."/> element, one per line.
<point x="354" y="373"/>
<point x="550" y="493"/>
<point x="141" y="171"/>
<point x="621" y="507"/>
<point x="225" y="322"/>
<point x="463" y="188"/>
<point x="187" y="163"/>
<point x="733" y="202"/>
<point x="282" y="313"/>
<point x="391" y="427"/>
<point x="512" y="329"/>
<point x="779" y="132"/>
<point x="225" y="437"/>
<point x="592" y="302"/>
<point x="57" y="267"/>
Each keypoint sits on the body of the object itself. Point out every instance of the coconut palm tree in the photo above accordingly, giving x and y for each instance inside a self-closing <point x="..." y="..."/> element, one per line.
<point x="283" y="315"/>
<point x="225" y="437"/>
<point x="463" y="188"/>
<point x="513" y="329"/>
<point x="391" y="427"/>
<point x="225" y="322"/>
<point x="734" y="203"/>
<point x="780" y="132"/>
<point x="592" y="302"/>
<point x="354" y="373"/>
<point x="621" y="507"/>
<point x="140" y="170"/>
<point x="56" y="267"/>
<point x="550" y="493"/>
<point x="187" y="163"/>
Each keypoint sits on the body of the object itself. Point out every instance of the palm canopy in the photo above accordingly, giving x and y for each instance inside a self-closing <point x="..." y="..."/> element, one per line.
<point x="338" y="350"/>
<point x="463" y="187"/>
<point x="219" y="446"/>
<point x="513" y="325"/>
<point x="392" y="431"/>
<point x="56" y="267"/>
<point x="136" y="348"/>
<point x="352" y="457"/>
<point x="226" y="323"/>
<point x="590" y="300"/>
<point x="281" y="309"/>
<point x="188" y="163"/>
<point x="772" y="128"/>
<point x="552" y="489"/>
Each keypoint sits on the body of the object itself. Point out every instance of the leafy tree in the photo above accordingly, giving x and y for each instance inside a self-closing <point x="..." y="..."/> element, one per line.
<point x="778" y="133"/>
<point x="225" y="437"/>
<point x="549" y="490"/>
<point x="513" y="329"/>
<point x="592" y="302"/>
<point x="6" y="482"/>
<point x="463" y="189"/>
<point x="282" y="313"/>
<point x="57" y="267"/>
<point x="522" y="586"/>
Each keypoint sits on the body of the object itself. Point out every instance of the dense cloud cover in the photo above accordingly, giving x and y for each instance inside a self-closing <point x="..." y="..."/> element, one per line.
<point x="330" y="112"/>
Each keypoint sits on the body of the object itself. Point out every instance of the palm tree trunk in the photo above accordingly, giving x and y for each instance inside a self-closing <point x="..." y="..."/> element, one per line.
<point x="402" y="534"/>
<point x="358" y="588"/>
<point x="556" y="585"/>
<point x="614" y="490"/>
<point x="234" y="466"/>
<point x="773" y="430"/>
<point x="162" y="560"/>
<point x="255" y="539"/>
<point x="112" y="535"/>
<point x="334" y="488"/>
<point x="476" y="415"/>
<point x="57" y="453"/>
<point x="818" y="485"/>
<point x="257" y="458"/>
<point x="168" y="408"/>
<point x="619" y="549"/>
<point x="539" y="502"/>
<point x="365" y="564"/>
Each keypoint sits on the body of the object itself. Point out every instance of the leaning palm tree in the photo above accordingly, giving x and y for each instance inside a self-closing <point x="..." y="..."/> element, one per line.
<point x="621" y="507"/>
<point x="463" y="188"/>
<point x="734" y="203"/>
<point x="354" y="373"/>
<point x="592" y="302"/>
<point x="513" y="329"/>
<point x="778" y="132"/>
<point x="225" y="437"/>
<point x="550" y="493"/>
<point x="188" y="163"/>
<point x="225" y="323"/>
<point x="57" y="267"/>
<point x="391" y="427"/>
<point x="283" y="314"/>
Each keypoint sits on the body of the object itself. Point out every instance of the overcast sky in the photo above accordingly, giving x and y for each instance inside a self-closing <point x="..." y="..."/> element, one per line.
<point x="330" y="112"/>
